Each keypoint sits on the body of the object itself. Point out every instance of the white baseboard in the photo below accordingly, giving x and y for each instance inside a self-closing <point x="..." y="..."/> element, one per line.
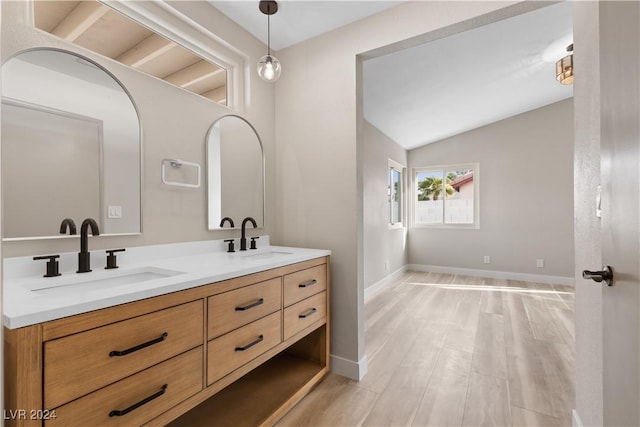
<point x="371" y="291"/>
<point x="508" y="275"/>
<point x="349" y="368"/>
<point x="575" y="419"/>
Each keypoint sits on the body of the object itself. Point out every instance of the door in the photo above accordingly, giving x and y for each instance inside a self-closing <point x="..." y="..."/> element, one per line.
<point x="620" y="175"/>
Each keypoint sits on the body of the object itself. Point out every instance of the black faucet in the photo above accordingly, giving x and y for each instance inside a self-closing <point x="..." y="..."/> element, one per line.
<point x="68" y="223"/>
<point x="226" y="219"/>
<point x="243" y="239"/>
<point x="84" y="257"/>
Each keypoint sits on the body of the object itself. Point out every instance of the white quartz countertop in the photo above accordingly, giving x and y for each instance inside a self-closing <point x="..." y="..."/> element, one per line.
<point x="31" y="299"/>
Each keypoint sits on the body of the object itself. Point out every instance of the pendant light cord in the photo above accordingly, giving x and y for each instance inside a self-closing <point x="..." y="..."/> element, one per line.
<point x="269" y="34"/>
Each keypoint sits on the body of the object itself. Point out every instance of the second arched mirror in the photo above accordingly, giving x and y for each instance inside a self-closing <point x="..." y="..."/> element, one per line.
<point x="235" y="172"/>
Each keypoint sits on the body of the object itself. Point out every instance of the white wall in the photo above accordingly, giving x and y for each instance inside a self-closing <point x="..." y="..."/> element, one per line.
<point x="319" y="168"/>
<point x="588" y="246"/>
<point x="385" y="250"/>
<point x="526" y="196"/>
<point x="175" y="123"/>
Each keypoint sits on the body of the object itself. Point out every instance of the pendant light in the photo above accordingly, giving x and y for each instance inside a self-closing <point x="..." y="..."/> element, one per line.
<point x="564" y="68"/>
<point x="269" y="67"/>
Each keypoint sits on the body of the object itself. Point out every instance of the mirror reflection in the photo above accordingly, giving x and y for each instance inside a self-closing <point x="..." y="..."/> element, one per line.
<point x="70" y="146"/>
<point x="235" y="172"/>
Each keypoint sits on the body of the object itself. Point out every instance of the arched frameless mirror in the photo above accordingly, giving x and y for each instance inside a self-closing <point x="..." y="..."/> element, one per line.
<point x="235" y="172"/>
<point x="70" y="146"/>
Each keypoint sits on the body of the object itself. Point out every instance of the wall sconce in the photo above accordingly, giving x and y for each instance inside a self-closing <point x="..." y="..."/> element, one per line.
<point x="269" y="67"/>
<point x="564" y="68"/>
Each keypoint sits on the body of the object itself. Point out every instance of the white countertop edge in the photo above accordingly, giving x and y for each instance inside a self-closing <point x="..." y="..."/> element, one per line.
<point x="25" y="312"/>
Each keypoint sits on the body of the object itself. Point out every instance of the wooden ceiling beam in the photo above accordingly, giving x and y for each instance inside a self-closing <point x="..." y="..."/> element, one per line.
<point x="83" y="16"/>
<point x="193" y="74"/>
<point x="145" y="51"/>
<point x="218" y="94"/>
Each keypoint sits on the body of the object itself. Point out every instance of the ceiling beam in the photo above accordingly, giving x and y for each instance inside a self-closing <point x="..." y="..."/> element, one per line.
<point x="193" y="74"/>
<point x="145" y="51"/>
<point x="83" y="16"/>
<point x="218" y="94"/>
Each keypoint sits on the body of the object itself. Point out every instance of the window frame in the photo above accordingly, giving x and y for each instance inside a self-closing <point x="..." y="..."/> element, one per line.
<point x="392" y="165"/>
<point x="444" y="168"/>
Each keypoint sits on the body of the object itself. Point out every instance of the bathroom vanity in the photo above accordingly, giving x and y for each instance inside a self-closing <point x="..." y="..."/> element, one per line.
<point x="237" y="340"/>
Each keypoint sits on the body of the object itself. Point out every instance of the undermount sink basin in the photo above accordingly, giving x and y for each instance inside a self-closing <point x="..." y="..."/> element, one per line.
<point x="262" y="256"/>
<point x="99" y="280"/>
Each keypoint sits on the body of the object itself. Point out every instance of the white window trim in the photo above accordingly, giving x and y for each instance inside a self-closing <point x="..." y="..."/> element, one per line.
<point x="392" y="164"/>
<point x="476" y="195"/>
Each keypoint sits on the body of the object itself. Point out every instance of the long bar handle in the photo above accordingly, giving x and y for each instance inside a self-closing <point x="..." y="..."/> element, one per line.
<point x="251" y="344"/>
<point x="139" y="346"/>
<point x="119" y="413"/>
<point x="253" y="304"/>
<point x="307" y="284"/>
<point x="307" y="314"/>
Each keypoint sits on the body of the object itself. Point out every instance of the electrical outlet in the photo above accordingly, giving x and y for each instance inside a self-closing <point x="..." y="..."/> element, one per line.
<point x="386" y="265"/>
<point x="114" y="212"/>
<point x="540" y="263"/>
<point x="487" y="259"/>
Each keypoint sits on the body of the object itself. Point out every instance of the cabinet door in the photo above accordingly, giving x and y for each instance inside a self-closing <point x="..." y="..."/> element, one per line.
<point x="81" y="363"/>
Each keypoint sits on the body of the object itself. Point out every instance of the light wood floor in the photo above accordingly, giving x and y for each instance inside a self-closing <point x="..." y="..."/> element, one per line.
<point x="449" y="350"/>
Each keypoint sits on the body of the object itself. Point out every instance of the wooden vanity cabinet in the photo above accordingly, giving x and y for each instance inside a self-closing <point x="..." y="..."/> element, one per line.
<point x="202" y="356"/>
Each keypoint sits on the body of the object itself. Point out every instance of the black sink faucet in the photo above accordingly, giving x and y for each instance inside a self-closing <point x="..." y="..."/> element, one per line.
<point x="243" y="239"/>
<point x="84" y="256"/>
<point x="227" y="219"/>
<point x="68" y="223"/>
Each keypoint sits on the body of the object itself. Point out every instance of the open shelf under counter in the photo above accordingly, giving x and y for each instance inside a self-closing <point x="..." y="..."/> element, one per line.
<point x="262" y="396"/>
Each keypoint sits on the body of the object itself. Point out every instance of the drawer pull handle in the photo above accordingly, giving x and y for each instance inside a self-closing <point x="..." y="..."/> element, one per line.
<point x="251" y="344"/>
<point x="139" y="346"/>
<point x="119" y="413"/>
<point x="253" y="304"/>
<point x="307" y="284"/>
<point x="307" y="314"/>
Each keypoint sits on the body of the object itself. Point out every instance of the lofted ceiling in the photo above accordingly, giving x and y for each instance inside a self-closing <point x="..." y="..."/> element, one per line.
<point x="442" y="88"/>
<point x="458" y="83"/>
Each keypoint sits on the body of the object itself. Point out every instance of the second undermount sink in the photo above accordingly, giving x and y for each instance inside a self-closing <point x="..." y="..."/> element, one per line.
<point x="100" y="280"/>
<point x="262" y="256"/>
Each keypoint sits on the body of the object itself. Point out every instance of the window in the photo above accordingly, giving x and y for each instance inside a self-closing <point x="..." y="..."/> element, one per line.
<point x="446" y="196"/>
<point x="395" y="193"/>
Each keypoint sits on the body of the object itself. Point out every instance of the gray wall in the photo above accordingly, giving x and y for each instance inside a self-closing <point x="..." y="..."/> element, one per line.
<point x="385" y="249"/>
<point x="319" y="163"/>
<point x="526" y="196"/>
<point x="588" y="246"/>
<point x="175" y="124"/>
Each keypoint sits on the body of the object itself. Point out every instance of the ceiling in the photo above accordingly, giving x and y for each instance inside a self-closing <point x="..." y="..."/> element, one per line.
<point x="449" y="86"/>
<point x="298" y="20"/>
<point x="442" y="88"/>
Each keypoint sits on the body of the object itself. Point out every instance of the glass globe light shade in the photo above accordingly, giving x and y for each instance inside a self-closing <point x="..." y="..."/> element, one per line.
<point x="269" y="68"/>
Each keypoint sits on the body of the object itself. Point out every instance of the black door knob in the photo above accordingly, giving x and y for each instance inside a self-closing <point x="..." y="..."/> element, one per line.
<point x="605" y="276"/>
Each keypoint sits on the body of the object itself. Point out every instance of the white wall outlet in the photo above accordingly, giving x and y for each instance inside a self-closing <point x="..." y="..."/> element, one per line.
<point x="540" y="263"/>
<point x="114" y="212"/>
<point x="487" y="259"/>
<point x="386" y="265"/>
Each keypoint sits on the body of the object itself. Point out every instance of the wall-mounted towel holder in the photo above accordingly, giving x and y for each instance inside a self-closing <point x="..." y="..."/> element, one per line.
<point x="177" y="163"/>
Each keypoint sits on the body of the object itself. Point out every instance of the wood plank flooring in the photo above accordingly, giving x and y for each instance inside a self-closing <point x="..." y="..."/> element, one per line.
<point x="449" y="350"/>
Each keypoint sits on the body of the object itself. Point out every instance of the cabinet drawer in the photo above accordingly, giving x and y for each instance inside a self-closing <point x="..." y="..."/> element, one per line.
<point x="81" y="363"/>
<point x="230" y="310"/>
<point x="300" y="315"/>
<point x="182" y="376"/>
<point x="302" y="284"/>
<point x="236" y="348"/>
